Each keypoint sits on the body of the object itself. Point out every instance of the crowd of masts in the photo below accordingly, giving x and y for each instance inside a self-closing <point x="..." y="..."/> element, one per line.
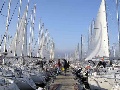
<point x="42" y="47"/>
<point x="114" y="49"/>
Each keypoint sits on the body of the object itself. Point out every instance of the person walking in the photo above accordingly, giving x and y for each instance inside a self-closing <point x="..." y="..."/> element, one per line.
<point x="65" y="65"/>
<point x="58" y="66"/>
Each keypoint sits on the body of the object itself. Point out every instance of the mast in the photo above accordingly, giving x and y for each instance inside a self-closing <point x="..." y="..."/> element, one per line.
<point x="89" y="35"/>
<point x="17" y="27"/>
<point x="31" y="38"/>
<point x="90" y="32"/>
<point x="30" y="47"/>
<point x="52" y="49"/>
<point x="107" y="29"/>
<point x="117" y="7"/>
<point x="25" y="32"/>
<point x="51" y="43"/>
<point x="46" y="38"/>
<point x="7" y="22"/>
<point x="77" y="52"/>
<point x="53" y="53"/>
<point x="44" y="42"/>
<point x="113" y="48"/>
<point x="0" y="44"/>
<point x="47" y="42"/>
<point x="33" y="23"/>
<point x="81" y="46"/>
<point x="39" y="39"/>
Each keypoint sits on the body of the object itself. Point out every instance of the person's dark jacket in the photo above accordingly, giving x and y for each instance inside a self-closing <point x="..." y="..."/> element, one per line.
<point x="65" y="64"/>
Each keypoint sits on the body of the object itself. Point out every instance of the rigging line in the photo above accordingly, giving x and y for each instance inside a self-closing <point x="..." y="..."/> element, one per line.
<point x="28" y="20"/>
<point x="5" y="36"/>
<point x="109" y="11"/>
<point x="2" y="38"/>
<point x="3" y="15"/>
<point x="13" y="13"/>
<point x="35" y="45"/>
<point x="2" y="6"/>
<point x="113" y="21"/>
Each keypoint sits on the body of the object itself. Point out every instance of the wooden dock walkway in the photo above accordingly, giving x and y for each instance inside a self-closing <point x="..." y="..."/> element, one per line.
<point x="63" y="82"/>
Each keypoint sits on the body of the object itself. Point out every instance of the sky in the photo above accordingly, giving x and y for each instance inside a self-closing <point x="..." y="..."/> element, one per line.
<point x="65" y="20"/>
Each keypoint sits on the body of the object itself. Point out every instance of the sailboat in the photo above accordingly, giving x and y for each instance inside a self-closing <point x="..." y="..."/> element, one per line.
<point x="99" y="47"/>
<point x="99" y="51"/>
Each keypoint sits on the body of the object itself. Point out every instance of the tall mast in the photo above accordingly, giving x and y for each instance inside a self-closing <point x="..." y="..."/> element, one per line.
<point x="89" y="36"/>
<point x="25" y="31"/>
<point x="117" y="7"/>
<point x="0" y="44"/>
<point x="7" y="22"/>
<point x="52" y="49"/>
<point x="81" y="46"/>
<point x="30" y="47"/>
<point x="33" y="23"/>
<point x="78" y="52"/>
<point x="39" y="39"/>
<point x="31" y="38"/>
<point x="47" y="42"/>
<point x="107" y="28"/>
<point x="18" y="26"/>
<point x="90" y="32"/>
<point x="53" y="52"/>
<point x="46" y="38"/>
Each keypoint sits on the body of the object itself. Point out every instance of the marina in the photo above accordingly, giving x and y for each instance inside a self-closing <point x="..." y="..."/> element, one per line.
<point x="30" y="58"/>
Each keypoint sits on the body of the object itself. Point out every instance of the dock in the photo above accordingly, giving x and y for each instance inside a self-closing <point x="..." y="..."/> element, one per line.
<point x="65" y="82"/>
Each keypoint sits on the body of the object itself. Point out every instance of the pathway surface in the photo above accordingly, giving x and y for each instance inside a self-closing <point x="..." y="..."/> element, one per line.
<point x="65" y="82"/>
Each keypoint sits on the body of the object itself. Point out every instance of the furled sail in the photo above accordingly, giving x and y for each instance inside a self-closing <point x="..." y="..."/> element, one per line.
<point x="20" y="39"/>
<point x="99" y="46"/>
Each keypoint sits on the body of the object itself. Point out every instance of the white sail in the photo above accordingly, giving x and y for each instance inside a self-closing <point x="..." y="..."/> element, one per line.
<point x="99" y="46"/>
<point x="52" y="47"/>
<point x="19" y="39"/>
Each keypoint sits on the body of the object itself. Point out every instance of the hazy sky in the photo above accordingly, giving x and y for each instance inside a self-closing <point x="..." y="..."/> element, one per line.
<point x="65" y="20"/>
